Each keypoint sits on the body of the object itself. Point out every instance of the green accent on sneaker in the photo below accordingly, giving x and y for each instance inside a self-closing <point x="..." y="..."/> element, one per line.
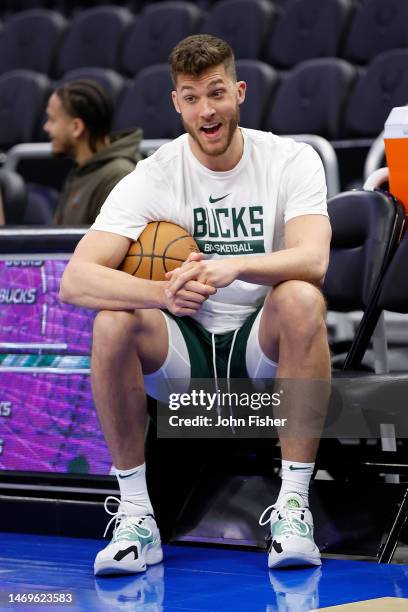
<point x="293" y="503"/>
<point x="129" y="533"/>
<point x="282" y="528"/>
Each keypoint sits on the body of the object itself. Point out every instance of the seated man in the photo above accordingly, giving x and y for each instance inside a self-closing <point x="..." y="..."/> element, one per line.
<point x="266" y="192"/>
<point x="79" y="123"/>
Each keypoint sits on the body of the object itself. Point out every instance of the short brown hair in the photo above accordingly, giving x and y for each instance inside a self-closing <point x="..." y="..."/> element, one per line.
<point x="196" y="53"/>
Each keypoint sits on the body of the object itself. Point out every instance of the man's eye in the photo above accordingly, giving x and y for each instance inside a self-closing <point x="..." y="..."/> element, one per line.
<point x="218" y="94"/>
<point x="189" y="99"/>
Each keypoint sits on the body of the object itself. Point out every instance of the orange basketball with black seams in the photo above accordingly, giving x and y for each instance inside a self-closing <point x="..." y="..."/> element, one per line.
<point x="160" y="248"/>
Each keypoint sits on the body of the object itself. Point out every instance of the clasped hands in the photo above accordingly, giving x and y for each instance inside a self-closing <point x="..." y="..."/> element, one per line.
<point x="191" y="284"/>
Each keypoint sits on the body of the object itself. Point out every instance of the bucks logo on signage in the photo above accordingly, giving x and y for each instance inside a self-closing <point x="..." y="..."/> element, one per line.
<point x="228" y="231"/>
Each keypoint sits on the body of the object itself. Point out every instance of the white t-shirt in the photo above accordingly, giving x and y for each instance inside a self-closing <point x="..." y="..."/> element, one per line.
<point x="239" y="212"/>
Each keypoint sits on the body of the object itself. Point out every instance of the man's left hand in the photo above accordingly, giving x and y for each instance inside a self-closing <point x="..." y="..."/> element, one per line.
<point x="218" y="273"/>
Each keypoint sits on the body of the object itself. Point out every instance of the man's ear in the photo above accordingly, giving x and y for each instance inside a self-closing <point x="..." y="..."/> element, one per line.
<point x="175" y="102"/>
<point x="241" y="91"/>
<point x="77" y="127"/>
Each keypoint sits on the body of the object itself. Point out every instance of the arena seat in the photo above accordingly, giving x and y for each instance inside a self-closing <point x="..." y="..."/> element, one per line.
<point x="381" y="398"/>
<point x="23" y="95"/>
<point x="155" y="32"/>
<point x="383" y="86"/>
<point x="307" y="29"/>
<point x="310" y="98"/>
<point x="359" y="255"/>
<point x="361" y="250"/>
<point x="30" y="40"/>
<point x="244" y="24"/>
<point x="107" y="78"/>
<point x="262" y="81"/>
<point x="377" y="26"/>
<point x="94" y="38"/>
<point x="147" y="104"/>
<point x="14" y="196"/>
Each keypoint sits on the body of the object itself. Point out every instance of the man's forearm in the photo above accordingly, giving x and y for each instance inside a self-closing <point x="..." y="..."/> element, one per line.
<point x="288" y="264"/>
<point x="100" y="288"/>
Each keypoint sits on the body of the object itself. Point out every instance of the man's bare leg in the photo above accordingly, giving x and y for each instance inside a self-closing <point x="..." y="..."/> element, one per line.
<point x="292" y="332"/>
<point x="126" y="345"/>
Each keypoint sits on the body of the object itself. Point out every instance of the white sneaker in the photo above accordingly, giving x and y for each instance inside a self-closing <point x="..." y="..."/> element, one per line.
<point x="135" y="544"/>
<point x="291" y="541"/>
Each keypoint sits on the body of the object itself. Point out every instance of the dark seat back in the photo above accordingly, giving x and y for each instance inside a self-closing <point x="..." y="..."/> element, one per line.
<point x="376" y="27"/>
<point x="308" y="29"/>
<point x="30" y="40"/>
<point x="261" y="80"/>
<point x="310" y="98"/>
<point x="14" y="196"/>
<point x="156" y="31"/>
<point x="383" y="86"/>
<point x="94" y="39"/>
<point x="147" y="104"/>
<point x="23" y="96"/>
<point x="366" y="227"/>
<point x="244" y="24"/>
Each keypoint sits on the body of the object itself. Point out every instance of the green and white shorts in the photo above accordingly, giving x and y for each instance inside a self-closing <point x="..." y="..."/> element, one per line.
<point x="196" y="353"/>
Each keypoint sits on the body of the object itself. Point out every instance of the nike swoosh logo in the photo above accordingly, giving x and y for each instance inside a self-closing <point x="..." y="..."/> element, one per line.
<point x="121" y="554"/>
<point x="127" y="475"/>
<point x="214" y="200"/>
<point x="292" y="468"/>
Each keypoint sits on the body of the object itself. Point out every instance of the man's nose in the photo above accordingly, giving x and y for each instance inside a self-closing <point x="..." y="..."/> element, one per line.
<point x="206" y="110"/>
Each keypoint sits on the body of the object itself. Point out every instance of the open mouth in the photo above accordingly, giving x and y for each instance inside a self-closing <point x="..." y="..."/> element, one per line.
<point x="211" y="129"/>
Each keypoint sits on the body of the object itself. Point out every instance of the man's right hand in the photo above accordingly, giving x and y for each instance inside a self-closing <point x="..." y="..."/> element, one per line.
<point x="188" y="300"/>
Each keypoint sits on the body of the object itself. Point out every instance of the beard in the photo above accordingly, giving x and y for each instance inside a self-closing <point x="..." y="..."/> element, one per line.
<point x="223" y="146"/>
<point x="65" y="148"/>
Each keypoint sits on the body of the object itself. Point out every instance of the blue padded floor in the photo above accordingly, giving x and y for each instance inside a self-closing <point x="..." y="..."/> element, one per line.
<point x="192" y="578"/>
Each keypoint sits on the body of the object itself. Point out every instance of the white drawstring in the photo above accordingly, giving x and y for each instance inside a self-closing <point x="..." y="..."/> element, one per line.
<point x="214" y="356"/>
<point x="230" y="355"/>
<point x="215" y="372"/>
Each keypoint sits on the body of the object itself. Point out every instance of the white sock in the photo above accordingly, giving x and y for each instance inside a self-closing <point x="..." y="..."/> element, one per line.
<point x="133" y="490"/>
<point x="296" y="479"/>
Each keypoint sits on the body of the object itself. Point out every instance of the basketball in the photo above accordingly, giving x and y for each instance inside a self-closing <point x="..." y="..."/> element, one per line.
<point x="160" y="248"/>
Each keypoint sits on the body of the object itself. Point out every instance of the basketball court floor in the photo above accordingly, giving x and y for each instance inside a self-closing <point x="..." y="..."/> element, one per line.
<point x="192" y="579"/>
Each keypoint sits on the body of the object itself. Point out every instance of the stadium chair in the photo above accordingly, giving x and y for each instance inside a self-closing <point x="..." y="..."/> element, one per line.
<point x="94" y="39"/>
<point x="383" y="86"/>
<point x="147" y="104"/>
<point x="377" y="26"/>
<point x="108" y="79"/>
<point x="311" y="97"/>
<point x="155" y="32"/>
<point x="308" y="29"/>
<point x="381" y="398"/>
<point x="261" y="80"/>
<point x="360" y="253"/>
<point x="23" y="95"/>
<point x="244" y="24"/>
<point x="30" y="40"/>
<point x="14" y="196"/>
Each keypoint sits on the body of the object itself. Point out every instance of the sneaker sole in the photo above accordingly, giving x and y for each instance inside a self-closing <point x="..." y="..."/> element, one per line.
<point x="292" y="560"/>
<point x="107" y="568"/>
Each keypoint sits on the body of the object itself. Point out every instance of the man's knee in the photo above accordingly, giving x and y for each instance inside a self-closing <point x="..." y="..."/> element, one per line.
<point x="299" y="307"/>
<point x="115" y="327"/>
